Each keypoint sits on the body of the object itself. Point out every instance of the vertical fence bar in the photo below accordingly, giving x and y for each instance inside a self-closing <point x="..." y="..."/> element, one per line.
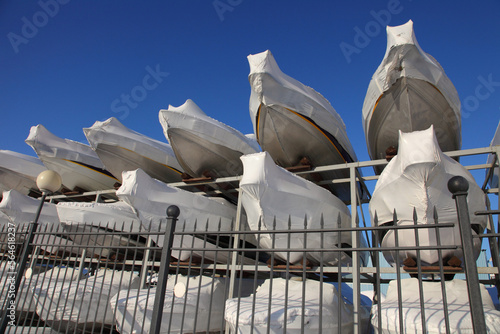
<point x="458" y="186"/>
<point x="172" y="214"/>
<point x="355" y="254"/>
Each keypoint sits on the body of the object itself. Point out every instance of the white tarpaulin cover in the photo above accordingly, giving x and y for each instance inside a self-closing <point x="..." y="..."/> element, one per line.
<point x="72" y="304"/>
<point x="252" y="313"/>
<point x="271" y="194"/>
<point x="94" y="219"/>
<point x="19" y="171"/>
<point x="78" y="165"/>
<point x="409" y="91"/>
<point x="190" y="303"/>
<point x="24" y="297"/>
<point x="21" y="211"/>
<point x="417" y="179"/>
<point x="203" y="144"/>
<point x="458" y="308"/>
<point x="292" y="121"/>
<point x="122" y="149"/>
<point x="151" y="198"/>
<point x="495" y="141"/>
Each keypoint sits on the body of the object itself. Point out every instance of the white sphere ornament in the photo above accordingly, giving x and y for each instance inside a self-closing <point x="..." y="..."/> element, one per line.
<point x="49" y="181"/>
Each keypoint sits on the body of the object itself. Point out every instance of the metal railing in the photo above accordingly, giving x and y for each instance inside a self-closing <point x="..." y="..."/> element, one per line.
<point x="126" y="283"/>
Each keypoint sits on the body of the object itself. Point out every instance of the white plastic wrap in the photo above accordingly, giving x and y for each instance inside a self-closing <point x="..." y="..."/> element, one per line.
<point x="417" y="179"/>
<point x="151" y="198"/>
<point x="459" y="314"/>
<point x="409" y="91"/>
<point x="95" y="219"/>
<point x="271" y="194"/>
<point x="252" y="314"/>
<point x="21" y="211"/>
<point x="203" y="144"/>
<point x="186" y="299"/>
<point x="78" y="165"/>
<point x="121" y="149"/>
<point x="293" y="121"/>
<point x="83" y="303"/>
<point x="19" y="171"/>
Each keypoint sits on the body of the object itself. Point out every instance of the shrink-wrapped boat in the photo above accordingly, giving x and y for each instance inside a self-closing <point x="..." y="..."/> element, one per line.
<point x="409" y="91"/>
<point x="191" y="305"/>
<point x="151" y="198"/>
<point x="275" y="199"/>
<point x="122" y="149"/>
<point x="102" y="224"/>
<point x="296" y="124"/>
<point x="413" y="309"/>
<point x="82" y="305"/>
<point x="76" y="163"/>
<point x="204" y="146"/>
<point x="416" y="179"/>
<point x="19" y="172"/>
<point x="21" y="211"/>
<point x="278" y="307"/>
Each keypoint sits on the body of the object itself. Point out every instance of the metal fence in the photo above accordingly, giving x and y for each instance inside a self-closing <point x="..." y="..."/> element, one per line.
<point x="101" y="278"/>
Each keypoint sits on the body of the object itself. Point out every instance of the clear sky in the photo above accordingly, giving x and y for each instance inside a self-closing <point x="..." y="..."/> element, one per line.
<point x="67" y="63"/>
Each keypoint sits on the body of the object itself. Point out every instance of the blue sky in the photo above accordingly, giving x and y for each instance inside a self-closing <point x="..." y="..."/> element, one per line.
<point x="67" y="63"/>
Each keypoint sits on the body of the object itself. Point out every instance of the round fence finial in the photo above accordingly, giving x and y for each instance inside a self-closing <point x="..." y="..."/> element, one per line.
<point x="173" y="211"/>
<point x="458" y="184"/>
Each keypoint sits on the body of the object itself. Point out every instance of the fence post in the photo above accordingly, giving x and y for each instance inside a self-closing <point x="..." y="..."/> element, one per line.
<point x="172" y="214"/>
<point x="458" y="186"/>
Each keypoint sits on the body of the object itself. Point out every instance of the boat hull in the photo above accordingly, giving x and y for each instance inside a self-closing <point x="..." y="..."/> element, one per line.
<point x="409" y="91"/>
<point x="19" y="172"/>
<point x="411" y="105"/>
<point x="289" y="137"/>
<point x="200" y="157"/>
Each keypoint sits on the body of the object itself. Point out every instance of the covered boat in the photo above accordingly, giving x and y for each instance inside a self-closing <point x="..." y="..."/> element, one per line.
<point x="417" y="179"/>
<point x="457" y="300"/>
<point x="102" y="224"/>
<point x="275" y="199"/>
<point x="78" y="165"/>
<point x="151" y="198"/>
<point x="32" y="277"/>
<point x="296" y="124"/>
<point x="19" y="172"/>
<point x="122" y="149"/>
<point x="409" y="92"/>
<point x="191" y="305"/>
<point x="491" y="158"/>
<point x="21" y="211"/>
<point x="82" y="305"/>
<point x="278" y="307"/>
<point x="204" y="146"/>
